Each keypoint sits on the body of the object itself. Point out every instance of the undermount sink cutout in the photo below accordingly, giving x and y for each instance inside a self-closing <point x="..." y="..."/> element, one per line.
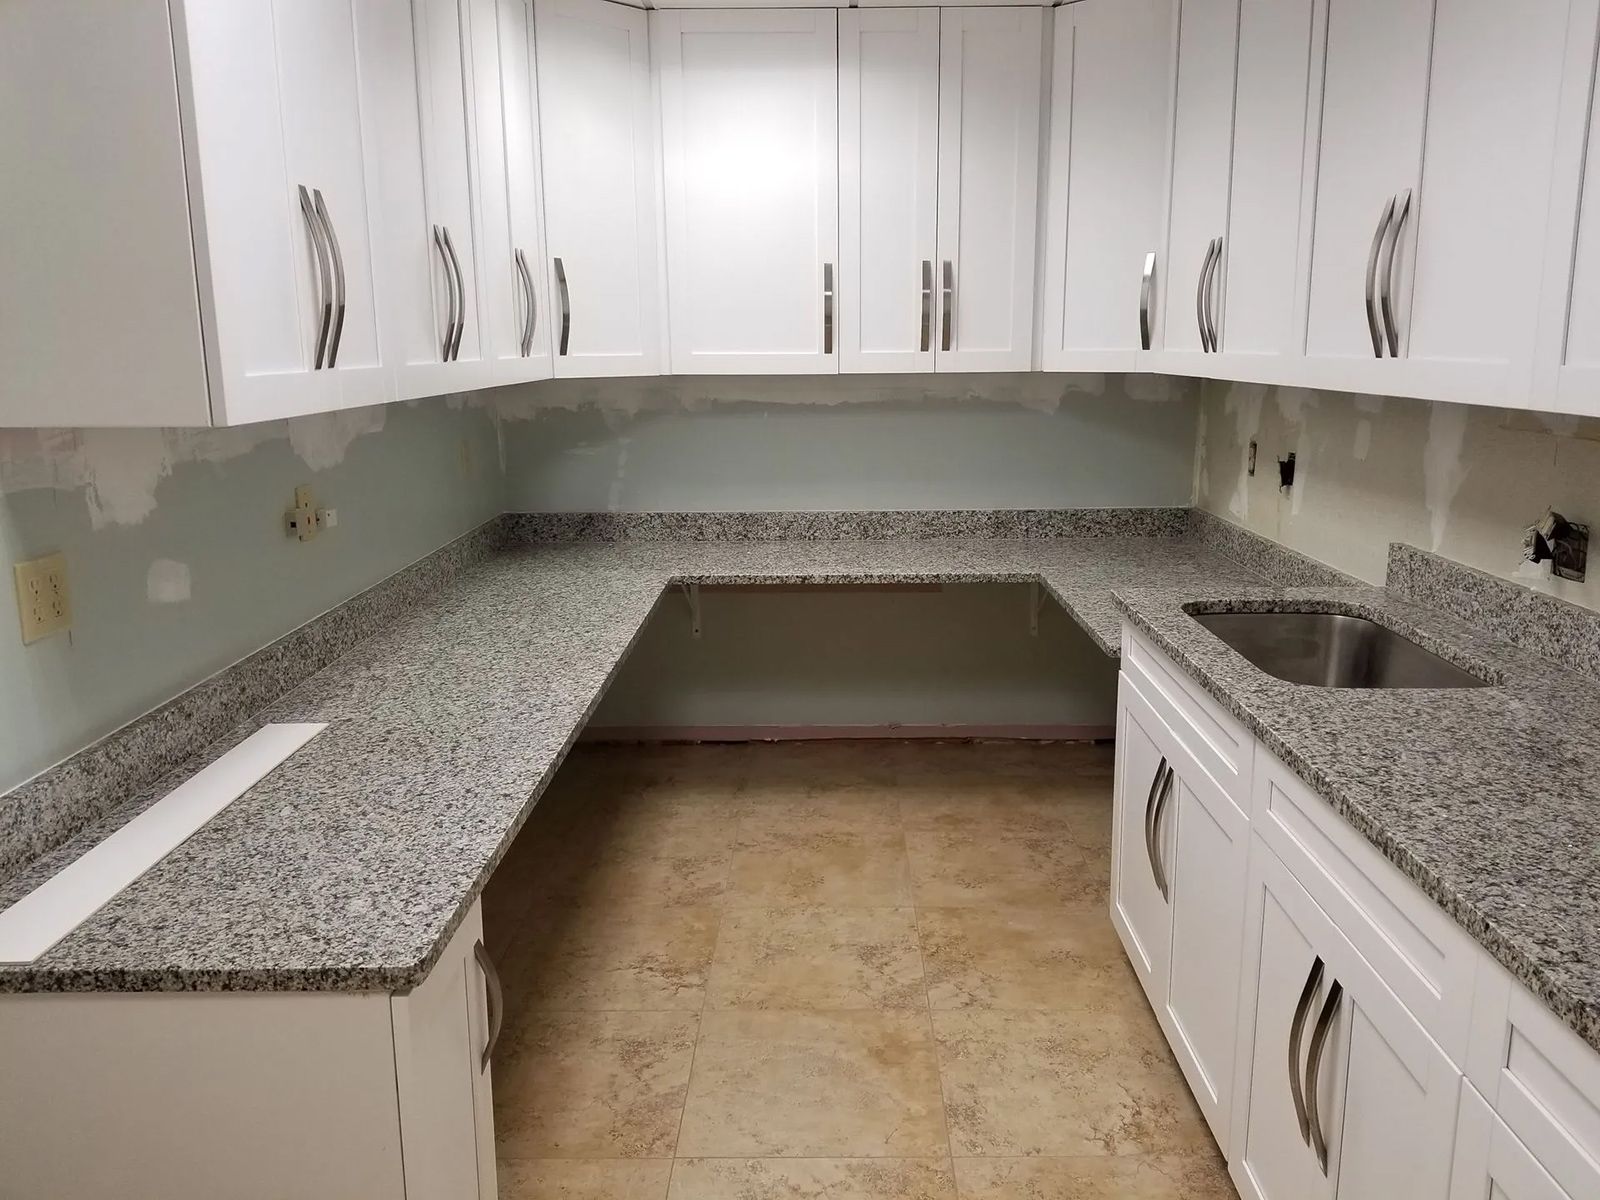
<point x="1323" y="649"/>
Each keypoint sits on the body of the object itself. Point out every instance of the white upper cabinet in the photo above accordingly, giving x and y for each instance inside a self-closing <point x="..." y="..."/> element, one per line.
<point x="1567" y="371"/>
<point x="516" y="324"/>
<point x="750" y="148"/>
<point x="1375" y="93"/>
<point x="1271" y="193"/>
<point x="1202" y="136"/>
<point x="601" y="195"/>
<point x="1108" y="151"/>
<point x="888" y="188"/>
<point x="190" y="238"/>
<point x="990" y="69"/>
<point x="452" y="232"/>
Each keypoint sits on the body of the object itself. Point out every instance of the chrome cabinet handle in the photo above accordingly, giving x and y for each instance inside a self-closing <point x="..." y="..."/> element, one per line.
<point x="337" y="255"/>
<point x="1149" y="808"/>
<point x="1200" y="295"/>
<point x="450" y="294"/>
<point x="1386" y="281"/>
<point x="1155" y="836"/>
<point x="461" y="292"/>
<point x="1297" y="1027"/>
<point x="927" y="305"/>
<point x="1372" y="277"/>
<point x="948" y="301"/>
<point x="566" y="305"/>
<point x="324" y="283"/>
<point x="529" y="315"/>
<point x="1319" y="1037"/>
<point x="1147" y="282"/>
<point x="497" y="1002"/>
<point x="1213" y="286"/>
<point x="827" y="308"/>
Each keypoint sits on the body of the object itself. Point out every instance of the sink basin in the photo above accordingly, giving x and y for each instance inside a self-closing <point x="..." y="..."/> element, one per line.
<point x="1334" y="650"/>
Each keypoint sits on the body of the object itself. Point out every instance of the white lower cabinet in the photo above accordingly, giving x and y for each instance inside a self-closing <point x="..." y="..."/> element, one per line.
<point x="1346" y="1095"/>
<point x="254" y="1095"/>
<point x="1343" y="1037"/>
<point x="1177" y="896"/>
<point x="1491" y="1164"/>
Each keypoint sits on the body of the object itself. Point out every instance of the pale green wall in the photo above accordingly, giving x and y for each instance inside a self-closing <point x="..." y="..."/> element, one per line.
<point x="404" y="479"/>
<point x="850" y="442"/>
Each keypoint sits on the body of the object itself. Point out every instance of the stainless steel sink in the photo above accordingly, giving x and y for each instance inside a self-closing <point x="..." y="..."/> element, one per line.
<point x="1334" y="650"/>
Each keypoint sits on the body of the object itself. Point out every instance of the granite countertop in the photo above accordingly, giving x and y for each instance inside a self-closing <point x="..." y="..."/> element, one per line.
<point x="1487" y="798"/>
<point x="351" y="864"/>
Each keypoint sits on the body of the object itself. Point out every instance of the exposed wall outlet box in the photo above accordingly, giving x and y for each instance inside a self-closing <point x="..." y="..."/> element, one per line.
<point x="42" y="597"/>
<point x="301" y="520"/>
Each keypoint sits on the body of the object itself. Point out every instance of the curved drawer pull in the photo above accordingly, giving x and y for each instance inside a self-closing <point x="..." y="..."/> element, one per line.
<point x="497" y="1002"/>
<point x="324" y="284"/>
<point x="1146" y="285"/>
<point x="1386" y="282"/>
<point x="337" y="255"/>
<point x="1297" y="1027"/>
<point x="1149" y="809"/>
<point x="450" y="294"/>
<point x="461" y="294"/>
<point x="1155" y="836"/>
<point x="1319" y="1037"/>
<point x="1200" y="295"/>
<point x="566" y="307"/>
<point x="1372" y="277"/>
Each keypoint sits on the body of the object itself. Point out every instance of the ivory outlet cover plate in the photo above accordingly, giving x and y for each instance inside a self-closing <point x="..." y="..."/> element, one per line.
<point x="42" y="598"/>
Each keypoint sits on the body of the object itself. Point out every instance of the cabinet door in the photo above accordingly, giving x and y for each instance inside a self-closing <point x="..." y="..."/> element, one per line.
<point x="1494" y="91"/>
<point x="1139" y="851"/>
<point x="990" y="69"/>
<point x="509" y="206"/>
<point x="1327" y="1039"/>
<point x="1490" y="1163"/>
<point x="597" y="123"/>
<point x="1567" y="372"/>
<point x="1202" y="136"/>
<point x="443" y="1030"/>
<point x="888" y="187"/>
<point x="750" y="149"/>
<point x="1374" y="103"/>
<point x="270" y="267"/>
<point x="1108" y="144"/>
<point x="1201" y="1014"/>
<point x="443" y="99"/>
<point x="1274" y="167"/>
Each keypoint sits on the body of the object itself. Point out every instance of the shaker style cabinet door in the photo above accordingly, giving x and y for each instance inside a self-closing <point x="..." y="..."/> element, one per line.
<point x="598" y="121"/>
<point x="990" y="70"/>
<point x="750" y="149"/>
<point x="1491" y="1163"/>
<point x="515" y="322"/>
<point x="1374" y="103"/>
<point x="1347" y="1096"/>
<point x="888" y="188"/>
<point x="1109" y="121"/>
<point x="1202" y="151"/>
<point x="1140" y="840"/>
<point x="1271" y="192"/>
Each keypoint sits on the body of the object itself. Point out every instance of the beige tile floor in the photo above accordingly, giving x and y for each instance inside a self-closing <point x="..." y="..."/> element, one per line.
<point x="829" y="971"/>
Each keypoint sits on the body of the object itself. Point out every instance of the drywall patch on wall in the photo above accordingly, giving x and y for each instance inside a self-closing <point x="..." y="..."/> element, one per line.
<point x="1243" y="403"/>
<point x="1462" y="480"/>
<point x="121" y="468"/>
<point x="1442" y="468"/>
<point x="322" y="440"/>
<point x="168" y="582"/>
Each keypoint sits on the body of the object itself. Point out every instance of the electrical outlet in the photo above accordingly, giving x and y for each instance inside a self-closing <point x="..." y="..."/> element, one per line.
<point x="42" y="597"/>
<point x="301" y="520"/>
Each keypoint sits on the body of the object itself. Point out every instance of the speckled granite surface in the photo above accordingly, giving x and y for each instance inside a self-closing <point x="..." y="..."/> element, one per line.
<point x="349" y="866"/>
<point x="56" y="804"/>
<point x="1488" y="798"/>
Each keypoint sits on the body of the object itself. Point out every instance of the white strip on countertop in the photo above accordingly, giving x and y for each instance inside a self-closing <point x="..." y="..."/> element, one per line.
<point x="73" y="894"/>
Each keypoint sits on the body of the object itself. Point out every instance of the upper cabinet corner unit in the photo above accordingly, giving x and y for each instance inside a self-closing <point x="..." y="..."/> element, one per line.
<point x="851" y="191"/>
<point x="189" y="213"/>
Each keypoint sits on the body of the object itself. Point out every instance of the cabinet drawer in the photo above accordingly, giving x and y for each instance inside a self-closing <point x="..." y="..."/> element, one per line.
<point x="1424" y="957"/>
<point x="1540" y="1077"/>
<point x="1491" y="1161"/>
<point x="1214" y="738"/>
